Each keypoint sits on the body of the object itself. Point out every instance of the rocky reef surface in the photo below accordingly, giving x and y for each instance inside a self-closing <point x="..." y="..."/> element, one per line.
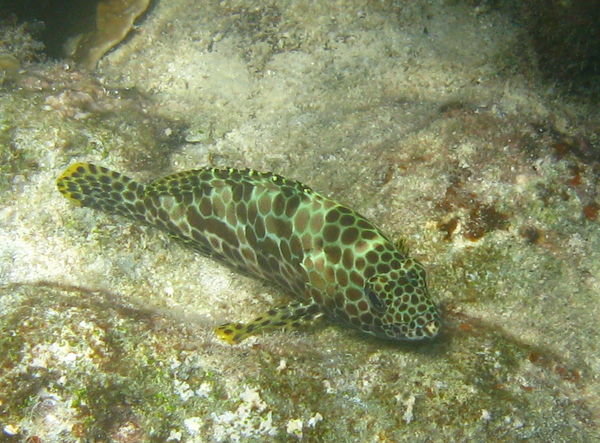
<point x="435" y="119"/>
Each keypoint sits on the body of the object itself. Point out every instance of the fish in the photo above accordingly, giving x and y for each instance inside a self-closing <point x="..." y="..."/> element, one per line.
<point x="333" y="261"/>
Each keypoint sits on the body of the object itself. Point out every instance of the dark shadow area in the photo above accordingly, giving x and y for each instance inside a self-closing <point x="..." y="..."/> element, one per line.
<point x="61" y="19"/>
<point x="564" y="36"/>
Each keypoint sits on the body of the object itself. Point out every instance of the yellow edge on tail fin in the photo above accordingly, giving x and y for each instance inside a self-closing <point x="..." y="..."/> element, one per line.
<point x="63" y="180"/>
<point x="231" y="333"/>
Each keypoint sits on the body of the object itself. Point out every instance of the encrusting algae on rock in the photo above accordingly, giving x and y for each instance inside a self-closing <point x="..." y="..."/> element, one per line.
<point x="334" y="261"/>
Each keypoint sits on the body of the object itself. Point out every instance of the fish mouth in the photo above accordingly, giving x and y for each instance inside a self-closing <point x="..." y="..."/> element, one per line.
<point x="427" y="332"/>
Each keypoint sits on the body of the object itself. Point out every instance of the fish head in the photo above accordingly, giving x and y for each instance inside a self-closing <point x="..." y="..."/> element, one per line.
<point x="400" y="301"/>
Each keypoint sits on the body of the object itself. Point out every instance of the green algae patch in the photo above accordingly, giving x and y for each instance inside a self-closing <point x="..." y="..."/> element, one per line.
<point x="114" y="19"/>
<point x="81" y="365"/>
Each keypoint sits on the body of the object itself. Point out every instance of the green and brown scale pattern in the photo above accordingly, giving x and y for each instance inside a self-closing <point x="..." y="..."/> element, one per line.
<point x="331" y="259"/>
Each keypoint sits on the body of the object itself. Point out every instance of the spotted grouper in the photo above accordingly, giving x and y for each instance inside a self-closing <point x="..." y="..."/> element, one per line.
<point x="333" y="261"/>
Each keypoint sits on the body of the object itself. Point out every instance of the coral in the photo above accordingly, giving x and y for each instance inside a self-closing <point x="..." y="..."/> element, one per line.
<point x="114" y="19"/>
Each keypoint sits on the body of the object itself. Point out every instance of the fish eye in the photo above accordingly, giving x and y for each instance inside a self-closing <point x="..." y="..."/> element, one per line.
<point x="412" y="275"/>
<point x="375" y="300"/>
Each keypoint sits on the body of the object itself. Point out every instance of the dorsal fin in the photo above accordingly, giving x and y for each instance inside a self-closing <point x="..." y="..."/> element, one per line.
<point x="195" y="177"/>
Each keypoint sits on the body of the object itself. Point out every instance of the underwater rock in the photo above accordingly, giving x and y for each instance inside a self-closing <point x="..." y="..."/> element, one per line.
<point x="114" y="19"/>
<point x="9" y="67"/>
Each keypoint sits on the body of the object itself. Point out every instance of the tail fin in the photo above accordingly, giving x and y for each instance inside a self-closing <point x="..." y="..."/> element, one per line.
<point x="89" y="185"/>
